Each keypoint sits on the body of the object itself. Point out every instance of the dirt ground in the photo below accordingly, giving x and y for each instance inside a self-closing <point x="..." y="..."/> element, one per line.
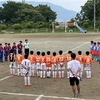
<point x="11" y="87"/>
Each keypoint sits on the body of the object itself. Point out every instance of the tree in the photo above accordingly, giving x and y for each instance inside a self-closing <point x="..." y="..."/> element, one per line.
<point x="47" y="13"/>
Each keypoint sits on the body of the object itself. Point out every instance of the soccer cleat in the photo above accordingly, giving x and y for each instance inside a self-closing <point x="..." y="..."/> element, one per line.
<point x="62" y="77"/>
<point x="29" y="84"/>
<point x="59" y="76"/>
<point x="14" y="75"/>
<point x="25" y="84"/>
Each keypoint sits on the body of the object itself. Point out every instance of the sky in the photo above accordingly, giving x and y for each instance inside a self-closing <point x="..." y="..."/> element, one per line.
<point x="68" y="4"/>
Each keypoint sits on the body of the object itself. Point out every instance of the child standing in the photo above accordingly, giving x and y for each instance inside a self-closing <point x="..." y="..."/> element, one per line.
<point x="88" y="63"/>
<point x="32" y="59"/>
<point x="19" y="58"/>
<point x="54" y="65"/>
<point x="80" y="58"/>
<point x="11" y="58"/>
<point x="1" y="53"/>
<point x="26" y="70"/>
<point x="61" y="64"/>
<point x="43" y="65"/>
<point x="6" y="52"/>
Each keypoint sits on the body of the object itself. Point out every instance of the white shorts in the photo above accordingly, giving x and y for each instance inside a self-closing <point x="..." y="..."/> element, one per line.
<point x="25" y="71"/>
<point x="48" y="68"/>
<point x="38" y="65"/>
<point x="54" y="67"/>
<point x="61" y="67"/>
<point x="81" y="67"/>
<point x="19" y="66"/>
<point x="43" y="66"/>
<point x="33" y="66"/>
<point x="12" y="65"/>
<point x="88" y="67"/>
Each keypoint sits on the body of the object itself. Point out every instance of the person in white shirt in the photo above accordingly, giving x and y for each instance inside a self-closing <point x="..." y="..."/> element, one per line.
<point x="74" y="68"/>
<point x="26" y="46"/>
<point x="26" y="70"/>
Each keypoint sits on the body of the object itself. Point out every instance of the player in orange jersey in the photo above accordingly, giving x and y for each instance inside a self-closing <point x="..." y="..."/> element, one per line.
<point x="32" y="59"/>
<point x="48" y="64"/>
<point x="88" y="62"/>
<point x="80" y="58"/>
<point x="43" y="65"/>
<point x="54" y="65"/>
<point x="19" y="58"/>
<point x="61" y="64"/>
<point x="68" y="58"/>
<point x="38" y="63"/>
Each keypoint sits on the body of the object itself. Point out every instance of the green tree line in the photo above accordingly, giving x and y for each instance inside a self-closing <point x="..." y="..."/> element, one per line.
<point x="18" y="13"/>
<point x="86" y="15"/>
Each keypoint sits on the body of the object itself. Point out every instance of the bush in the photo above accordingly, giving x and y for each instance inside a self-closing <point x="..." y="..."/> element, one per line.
<point x="16" y="26"/>
<point x="86" y="24"/>
<point x="29" y="25"/>
<point x="3" y="27"/>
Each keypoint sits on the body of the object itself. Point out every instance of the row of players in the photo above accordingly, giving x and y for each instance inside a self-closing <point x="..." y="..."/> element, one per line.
<point x="47" y="63"/>
<point x="4" y="51"/>
<point x="95" y="50"/>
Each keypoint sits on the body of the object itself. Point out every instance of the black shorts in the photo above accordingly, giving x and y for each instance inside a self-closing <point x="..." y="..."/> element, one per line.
<point x="73" y="81"/>
<point x="26" y="51"/>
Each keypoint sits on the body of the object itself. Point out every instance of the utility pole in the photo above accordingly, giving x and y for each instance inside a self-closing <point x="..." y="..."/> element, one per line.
<point x="94" y="14"/>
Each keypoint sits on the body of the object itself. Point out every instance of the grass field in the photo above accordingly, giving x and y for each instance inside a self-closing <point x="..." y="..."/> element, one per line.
<point x="11" y="87"/>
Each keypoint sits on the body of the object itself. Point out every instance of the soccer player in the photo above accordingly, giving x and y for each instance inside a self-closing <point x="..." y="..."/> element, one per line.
<point x="88" y="64"/>
<point x="54" y="65"/>
<point x="94" y="51"/>
<point x="1" y="53"/>
<point x="38" y="63"/>
<point x="26" y="46"/>
<point x="11" y="59"/>
<point x="9" y="48"/>
<point x="20" y="46"/>
<point x="26" y="70"/>
<point x="6" y="52"/>
<point x="48" y="64"/>
<point x="14" y="48"/>
<point x="91" y="49"/>
<point x="61" y="64"/>
<point x="68" y="58"/>
<point x="43" y="66"/>
<point x="19" y="58"/>
<point x="32" y="59"/>
<point x="74" y="68"/>
<point x="80" y="58"/>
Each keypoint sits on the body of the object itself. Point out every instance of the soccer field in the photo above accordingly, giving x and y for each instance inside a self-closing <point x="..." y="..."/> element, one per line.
<point x="12" y="88"/>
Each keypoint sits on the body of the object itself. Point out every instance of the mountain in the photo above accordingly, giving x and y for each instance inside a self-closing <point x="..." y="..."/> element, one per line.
<point x="62" y="13"/>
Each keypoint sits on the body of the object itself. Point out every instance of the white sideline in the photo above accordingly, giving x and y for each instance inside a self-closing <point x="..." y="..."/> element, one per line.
<point x="5" y="78"/>
<point x="40" y="96"/>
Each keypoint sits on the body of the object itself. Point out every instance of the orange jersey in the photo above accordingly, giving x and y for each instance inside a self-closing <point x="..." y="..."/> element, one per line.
<point x="19" y="58"/>
<point x="68" y="58"/>
<point x="48" y="60"/>
<point x="43" y="59"/>
<point x="80" y="58"/>
<point x="32" y="58"/>
<point x="54" y="60"/>
<point x="87" y="60"/>
<point x="38" y="59"/>
<point x="61" y="58"/>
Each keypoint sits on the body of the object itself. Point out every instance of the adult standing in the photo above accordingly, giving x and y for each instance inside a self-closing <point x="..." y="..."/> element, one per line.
<point x="26" y="46"/>
<point x="74" y="68"/>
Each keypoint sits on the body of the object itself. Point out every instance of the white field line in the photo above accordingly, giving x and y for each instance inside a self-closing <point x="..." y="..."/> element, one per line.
<point x="5" y="78"/>
<point x="40" y="96"/>
<point x="81" y="45"/>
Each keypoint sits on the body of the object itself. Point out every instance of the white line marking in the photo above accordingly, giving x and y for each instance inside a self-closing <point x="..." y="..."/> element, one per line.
<point x="5" y="78"/>
<point x="40" y="96"/>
